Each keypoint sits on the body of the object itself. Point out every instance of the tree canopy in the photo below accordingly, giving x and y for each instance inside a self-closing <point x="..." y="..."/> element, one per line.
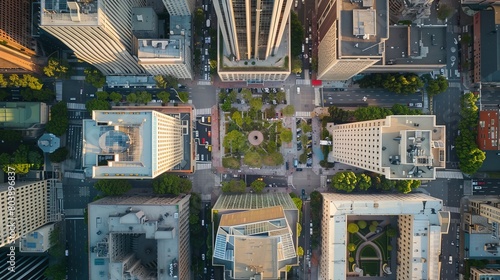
<point x="58" y="123"/>
<point x="258" y="186"/>
<point x="286" y="135"/>
<point x="94" y="77"/>
<point x="234" y="186"/>
<point x="235" y="141"/>
<point x="288" y="110"/>
<point x="171" y="184"/>
<point x="297" y="34"/>
<point x="56" y="68"/>
<point x="345" y="181"/>
<point x="97" y="104"/>
<point x="183" y="96"/>
<point x="436" y="86"/>
<point x="396" y="82"/>
<point x="115" y="96"/>
<point x="112" y="187"/>
<point x="256" y="104"/>
<point x="59" y="155"/>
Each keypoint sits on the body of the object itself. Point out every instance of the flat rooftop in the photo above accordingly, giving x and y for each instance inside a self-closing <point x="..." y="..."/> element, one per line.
<point x="139" y="234"/>
<point x="362" y="30"/>
<point x="21" y="114"/>
<point x="412" y="146"/>
<point x="67" y="13"/>
<point x="416" y="45"/>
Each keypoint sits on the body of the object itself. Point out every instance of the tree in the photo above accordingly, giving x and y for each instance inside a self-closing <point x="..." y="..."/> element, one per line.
<point x="362" y="224"/>
<point x="270" y="112"/>
<point x="132" y="98"/>
<point x="392" y="232"/>
<point x="36" y="159"/>
<point x="258" y="186"/>
<point x="235" y="141"/>
<point x="406" y="186"/>
<point x="94" y="77"/>
<point x="286" y="135"/>
<point x="246" y="94"/>
<point x="253" y="159"/>
<point x="372" y="228"/>
<point x="55" y="68"/>
<point x="112" y="187"/>
<point x="59" y="155"/>
<point x="444" y="12"/>
<point x="183" y="96"/>
<point x="345" y="181"/>
<point x="280" y="96"/>
<point x="273" y="159"/>
<point x="144" y="97"/>
<point x="4" y="82"/>
<point x="234" y="186"/>
<point x="19" y="161"/>
<point x="436" y="86"/>
<point x="56" y="271"/>
<point x="11" y="136"/>
<point x="102" y="95"/>
<point x="351" y="247"/>
<point x="296" y="65"/>
<point x="237" y="118"/>
<point x="171" y="184"/>
<point x="298" y="203"/>
<point x="58" y="123"/>
<point x="364" y="182"/>
<point x="97" y="104"/>
<point x="352" y="228"/>
<point x="164" y="96"/>
<point x="226" y="106"/>
<point x="256" y="103"/>
<point x="351" y="259"/>
<point x="230" y="162"/>
<point x="288" y="110"/>
<point x="161" y="82"/>
<point x="115" y="96"/>
<point x="297" y="35"/>
<point x="232" y="95"/>
<point x="300" y="251"/>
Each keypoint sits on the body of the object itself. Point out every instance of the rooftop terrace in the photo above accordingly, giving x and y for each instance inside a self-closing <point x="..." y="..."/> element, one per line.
<point x="55" y="12"/>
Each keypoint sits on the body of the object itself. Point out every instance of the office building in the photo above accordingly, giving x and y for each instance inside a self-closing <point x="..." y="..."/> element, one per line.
<point x="131" y="144"/>
<point x="255" y="235"/>
<point x="487" y="130"/>
<point x="18" y="48"/>
<point x="33" y="209"/>
<point x="484" y="273"/>
<point x="99" y="32"/>
<point x="355" y="37"/>
<point x="410" y="10"/>
<point x="139" y="237"/>
<point x="255" y="40"/>
<point x="163" y="56"/>
<point x="417" y="217"/>
<point x="28" y="117"/>
<point x="486" y="47"/>
<point x="480" y="226"/>
<point x="399" y="147"/>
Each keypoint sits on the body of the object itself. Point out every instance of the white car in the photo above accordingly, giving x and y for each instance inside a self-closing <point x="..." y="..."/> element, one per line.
<point x="450" y="260"/>
<point x="418" y="105"/>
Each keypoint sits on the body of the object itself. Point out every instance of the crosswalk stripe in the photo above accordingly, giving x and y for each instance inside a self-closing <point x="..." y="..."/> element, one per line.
<point x="203" y="111"/>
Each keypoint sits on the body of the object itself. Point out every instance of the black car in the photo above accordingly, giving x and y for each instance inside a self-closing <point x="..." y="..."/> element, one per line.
<point x="287" y="166"/>
<point x="298" y="169"/>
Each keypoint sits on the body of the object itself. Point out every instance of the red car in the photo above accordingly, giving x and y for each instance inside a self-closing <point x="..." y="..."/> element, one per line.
<point x="202" y="140"/>
<point x="209" y="133"/>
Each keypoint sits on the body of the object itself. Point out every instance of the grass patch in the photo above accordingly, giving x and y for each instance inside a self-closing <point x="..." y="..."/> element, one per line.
<point x="354" y="238"/>
<point x="368" y="251"/>
<point x="370" y="267"/>
<point x="382" y="242"/>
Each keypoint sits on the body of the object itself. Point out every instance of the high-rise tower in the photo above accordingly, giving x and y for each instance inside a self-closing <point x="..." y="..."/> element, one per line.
<point x="98" y="31"/>
<point x="252" y="29"/>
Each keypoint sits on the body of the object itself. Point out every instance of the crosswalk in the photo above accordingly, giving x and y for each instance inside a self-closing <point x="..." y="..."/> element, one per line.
<point x="302" y="82"/>
<point x="74" y="175"/>
<point x="76" y="106"/>
<point x="454" y="84"/>
<point x="303" y="114"/>
<point x="204" y="83"/>
<point x="203" y="111"/>
<point x="203" y="166"/>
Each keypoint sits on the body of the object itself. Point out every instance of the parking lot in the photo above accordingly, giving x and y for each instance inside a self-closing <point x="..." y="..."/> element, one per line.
<point x="203" y="138"/>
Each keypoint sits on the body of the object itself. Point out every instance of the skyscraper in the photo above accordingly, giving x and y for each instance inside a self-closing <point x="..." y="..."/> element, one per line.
<point x="139" y="237"/>
<point x="31" y="202"/>
<point x="17" y="48"/>
<point x="399" y="147"/>
<point x="131" y="144"/>
<point x="99" y="32"/>
<point x="252" y="29"/>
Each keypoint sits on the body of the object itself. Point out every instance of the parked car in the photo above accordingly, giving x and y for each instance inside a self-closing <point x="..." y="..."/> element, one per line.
<point x="418" y="105"/>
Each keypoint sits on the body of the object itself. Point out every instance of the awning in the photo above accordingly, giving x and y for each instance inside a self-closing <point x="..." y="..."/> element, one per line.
<point x="317" y="83"/>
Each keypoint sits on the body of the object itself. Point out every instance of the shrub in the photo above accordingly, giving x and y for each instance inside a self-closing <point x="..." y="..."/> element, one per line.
<point x="362" y="224"/>
<point x="352" y="228"/>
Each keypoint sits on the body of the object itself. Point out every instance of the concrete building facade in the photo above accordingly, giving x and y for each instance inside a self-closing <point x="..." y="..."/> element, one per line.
<point x="25" y="208"/>
<point x="399" y="147"/>
<point x="28" y="117"/>
<point x="255" y="40"/>
<point x="18" y="48"/>
<point x="487" y="130"/>
<point x="255" y="235"/>
<point x="480" y="226"/>
<point x="420" y="222"/>
<point x="139" y="237"/>
<point x="484" y="273"/>
<point x="131" y="144"/>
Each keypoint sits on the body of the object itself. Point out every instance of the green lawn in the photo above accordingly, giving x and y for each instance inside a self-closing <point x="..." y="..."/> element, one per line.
<point x="382" y="242"/>
<point x="370" y="267"/>
<point x="368" y="251"/>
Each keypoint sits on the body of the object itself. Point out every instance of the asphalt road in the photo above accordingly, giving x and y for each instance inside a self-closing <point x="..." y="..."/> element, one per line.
<point x="78" y="259"/>
<point x="203" y="141"/>
<point x="450" y="191"/>
<point x="354" y="97"/>
<point x="447" y="110"/>
<point x="450" y="247"/>
<point x="490" y="187"/>
<point x="278" y="180"/>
